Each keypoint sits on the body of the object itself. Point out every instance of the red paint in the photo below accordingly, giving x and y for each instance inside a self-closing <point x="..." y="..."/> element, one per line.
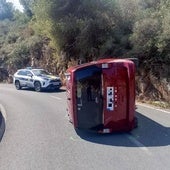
<point x="113" y="112"/>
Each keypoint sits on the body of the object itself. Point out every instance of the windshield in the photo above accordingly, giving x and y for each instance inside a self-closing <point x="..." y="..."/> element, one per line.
<point x="40" y="72"/>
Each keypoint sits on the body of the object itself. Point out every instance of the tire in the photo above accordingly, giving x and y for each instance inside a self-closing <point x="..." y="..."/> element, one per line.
<point x="37" y="86"/>
<point x="17" y="85"/>
<point x="57" y="89"/>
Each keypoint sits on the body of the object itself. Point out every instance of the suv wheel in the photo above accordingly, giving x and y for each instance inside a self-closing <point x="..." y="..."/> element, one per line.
<point x="17" y="85"/>
<point x="37" y="86"/>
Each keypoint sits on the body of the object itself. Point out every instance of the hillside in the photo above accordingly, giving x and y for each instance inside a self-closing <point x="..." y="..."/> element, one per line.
<point x="56" y="34"/>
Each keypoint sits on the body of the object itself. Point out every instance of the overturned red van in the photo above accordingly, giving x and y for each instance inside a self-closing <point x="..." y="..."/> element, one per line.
<point x="101" y="95"/>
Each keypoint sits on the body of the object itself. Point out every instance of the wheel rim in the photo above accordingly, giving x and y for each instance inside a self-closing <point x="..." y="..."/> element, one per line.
<point x="17" y="85"/>
<point x="37" y="86"/>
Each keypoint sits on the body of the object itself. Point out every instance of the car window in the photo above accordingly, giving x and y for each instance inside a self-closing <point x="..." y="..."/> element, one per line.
<point x="28" y="73"/>
<point x="40" y="72"/>
<point x="22" y="73"/>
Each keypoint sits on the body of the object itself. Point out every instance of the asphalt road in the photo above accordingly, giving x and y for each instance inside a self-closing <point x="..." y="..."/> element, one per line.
<point x="38" y="136"/>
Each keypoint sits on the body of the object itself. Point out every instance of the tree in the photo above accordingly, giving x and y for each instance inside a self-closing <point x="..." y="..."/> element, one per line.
<point x="27" y="4"/>
<point x="77" y="27"/>
<point x="163" y="43"/>
<point x="151" y="36"/>
<point x="19" y="56"/>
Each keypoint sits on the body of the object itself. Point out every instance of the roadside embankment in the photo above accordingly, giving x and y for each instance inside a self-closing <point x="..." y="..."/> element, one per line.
<point x="2" y="121"/>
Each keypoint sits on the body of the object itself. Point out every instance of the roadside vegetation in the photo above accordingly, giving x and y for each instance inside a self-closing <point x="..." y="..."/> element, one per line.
<point x="55" y="34"/>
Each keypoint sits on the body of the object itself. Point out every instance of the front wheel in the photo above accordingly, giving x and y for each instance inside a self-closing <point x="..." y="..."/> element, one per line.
<point x="17" y="85"/>
<point x="37" y="86"/>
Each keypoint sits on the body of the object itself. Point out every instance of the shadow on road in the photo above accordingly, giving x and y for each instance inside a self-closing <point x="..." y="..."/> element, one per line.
<point x="44" y="91"/>
<point x="149" y="133"/>
<point x="53" y="91"/>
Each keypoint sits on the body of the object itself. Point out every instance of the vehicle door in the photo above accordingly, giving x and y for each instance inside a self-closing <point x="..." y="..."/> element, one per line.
<point x="29" y="81"/>
<point x="89" y="101"/>
<point x="22" y="77"/>
<point x="115" y="83"/>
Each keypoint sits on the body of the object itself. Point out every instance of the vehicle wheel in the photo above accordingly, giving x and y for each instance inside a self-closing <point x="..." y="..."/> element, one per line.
<point x="37" y="86"/>
<point x="17" y="85"/>
<point x="56" y="89"/>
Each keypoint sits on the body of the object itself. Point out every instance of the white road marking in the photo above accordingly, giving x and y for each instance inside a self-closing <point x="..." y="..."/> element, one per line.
<point x="75" y="139"/>
<point x="3" y="112"/>
<point x="58" y="98"/>
<point x="139" y="144"/>
<point x="152" y="107"/>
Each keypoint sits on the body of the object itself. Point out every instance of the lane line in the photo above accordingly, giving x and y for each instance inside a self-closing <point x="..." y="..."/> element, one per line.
<point x="58" y="98"/>
<point x="139" y="144"/>
<point x="152" y="107"/>
<point x="3" y="112"/>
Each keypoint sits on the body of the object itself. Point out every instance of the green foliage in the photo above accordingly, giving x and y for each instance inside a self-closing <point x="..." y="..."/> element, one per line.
<point x="163" y="43"/>
<point x="12" y="38"/>
<point x="144" y="34"/>
<point x="19" y="56"/>
<point x="151" y="33"/>
<point x="88" y="29"/>
<point x="20" y="18"/>
<point x="14" y="41"/>
<point x="79" y="28"/>
<point x="53" y="33"/>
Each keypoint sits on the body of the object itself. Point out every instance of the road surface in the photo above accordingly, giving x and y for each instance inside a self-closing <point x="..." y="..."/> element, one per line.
<point x="39" y="136"/>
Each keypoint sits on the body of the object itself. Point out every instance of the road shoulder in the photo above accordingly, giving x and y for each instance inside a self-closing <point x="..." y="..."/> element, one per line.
<point x="153" y="107"/>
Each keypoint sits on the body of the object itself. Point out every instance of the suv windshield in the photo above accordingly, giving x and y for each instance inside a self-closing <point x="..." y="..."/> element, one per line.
<point x="40" y="72"/>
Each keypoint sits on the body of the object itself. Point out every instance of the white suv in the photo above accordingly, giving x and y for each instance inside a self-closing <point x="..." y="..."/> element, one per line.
<point x="38" y="79"/>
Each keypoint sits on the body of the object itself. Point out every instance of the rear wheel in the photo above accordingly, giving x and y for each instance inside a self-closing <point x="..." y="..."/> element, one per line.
<point x="56" y="88"/>
<point x="17" y="85"/>
<point x="37" y="86"/>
